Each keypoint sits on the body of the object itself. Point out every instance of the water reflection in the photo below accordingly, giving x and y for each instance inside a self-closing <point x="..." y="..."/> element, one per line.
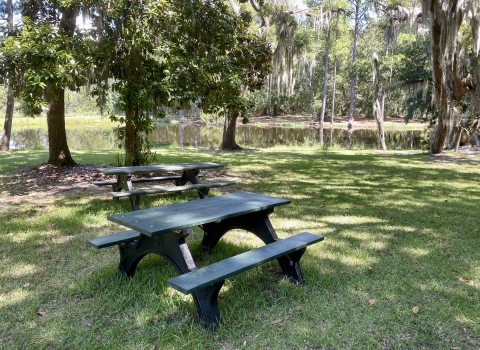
<point x="211" y="137"/>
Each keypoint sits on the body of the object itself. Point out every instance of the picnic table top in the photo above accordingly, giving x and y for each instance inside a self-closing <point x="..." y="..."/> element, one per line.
<point x="174" y="217"/>
<point x="160" y="168"/>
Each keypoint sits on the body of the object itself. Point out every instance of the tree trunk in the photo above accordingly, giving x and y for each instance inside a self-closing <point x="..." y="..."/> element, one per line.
<point x="7" y="126"/>
<point x="134" y="152"/>
<point x="229" y="131"/>
<point x="334" y="84"/>
<point x="351" y="111"/>
<point x="377" y="108"/>
<point x="449" y="87"/>
<point x="132" y="146"/>
<point x="325" y="84"/>
<point x="59" y="153"/>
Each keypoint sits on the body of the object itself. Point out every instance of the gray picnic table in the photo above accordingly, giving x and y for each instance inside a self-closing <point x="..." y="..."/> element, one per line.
<point x="163" y="230"/>
<point x="184" y="173"/>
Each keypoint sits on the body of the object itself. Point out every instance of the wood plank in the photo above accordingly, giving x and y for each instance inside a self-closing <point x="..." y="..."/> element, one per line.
<point x="157" y="168"/>
<point x="219" y="271"/>
<point x="140" y="179"/>
<point x="113" y="239"/>
<point x="160" y="220"/>
<point x="172" y="189"/>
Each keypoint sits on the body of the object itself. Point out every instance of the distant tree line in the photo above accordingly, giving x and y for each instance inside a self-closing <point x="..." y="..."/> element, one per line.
<point x="407" y="59"/>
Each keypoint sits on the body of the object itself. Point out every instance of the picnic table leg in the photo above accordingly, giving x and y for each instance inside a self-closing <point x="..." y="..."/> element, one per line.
<point x="257" y="223"/>
<point x="171" y="246"/>
<point x="123" y="182"/>
<point x="188" y="175"/>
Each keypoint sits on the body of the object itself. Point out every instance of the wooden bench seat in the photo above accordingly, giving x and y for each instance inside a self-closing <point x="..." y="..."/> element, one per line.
<point x="113" y="239"/>
<point x="207" y="281"/>
<point x="141" y="179"/>
<point x="203" y="189"/>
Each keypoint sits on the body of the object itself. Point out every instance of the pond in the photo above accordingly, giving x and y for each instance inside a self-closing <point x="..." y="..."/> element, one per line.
<point x="211" y="136"/>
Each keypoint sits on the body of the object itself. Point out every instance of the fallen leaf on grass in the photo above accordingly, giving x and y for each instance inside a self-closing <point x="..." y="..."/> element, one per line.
<point x="223" y="320"/>
<point x="10" y="234"/>
<point x="436" y="215"/>
<point x="371" y="301"/>
<point x="277" y="321"/>
<point x="463" y="279"/>
<point x="41" y="313"/>
<point x="379" y="252"/>
<point x="362" y="245"/>
<point x="152" y="348"/>
<point x="415" y="309"/>
<point x="414" y="260"/>
<point x="26" y="285"/>
<point x="298" y="308"/>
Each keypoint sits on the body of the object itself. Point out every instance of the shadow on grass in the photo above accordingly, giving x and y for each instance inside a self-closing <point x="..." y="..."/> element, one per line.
<point x="398" y="230"/>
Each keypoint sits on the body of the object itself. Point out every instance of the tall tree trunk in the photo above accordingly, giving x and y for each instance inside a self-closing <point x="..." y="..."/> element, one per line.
<point x="449" y="87"/>
<point x="58" y="151"/>
<point x="353" y="83"/>
<point x="377" y="108"/>
<point x="334" y="84"/>
<point x="132" y="142"/>
<point x="229" y="131"/>
<point x="325" y="84"/>
<point x="7" y="126"/>
<point x="133" y="138"/>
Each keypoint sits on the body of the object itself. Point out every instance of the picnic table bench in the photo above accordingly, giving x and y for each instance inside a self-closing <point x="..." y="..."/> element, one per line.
<point x="163" y="231"/>
<point x="122" y="186"/>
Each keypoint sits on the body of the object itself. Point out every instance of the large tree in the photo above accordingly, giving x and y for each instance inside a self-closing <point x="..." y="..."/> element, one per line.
<point x="46" y="57"/>
<point x="453" y="75"/>
<point x="173" y="52"/>
<point x="7" y="126"/>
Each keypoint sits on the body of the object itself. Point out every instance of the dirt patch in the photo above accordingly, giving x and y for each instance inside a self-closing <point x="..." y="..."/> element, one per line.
<point x="464" y="155"/>
<point x="45" y="180"/>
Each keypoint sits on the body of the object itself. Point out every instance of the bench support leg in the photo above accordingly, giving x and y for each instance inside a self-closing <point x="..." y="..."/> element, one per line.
<point x="207" y="305"/>
<point x="171" y="246"/>
<point x="203" y="193"/>
<point x="259" y="224"/>
<point x="290" y="265"/>
<point x="135" y="202"/>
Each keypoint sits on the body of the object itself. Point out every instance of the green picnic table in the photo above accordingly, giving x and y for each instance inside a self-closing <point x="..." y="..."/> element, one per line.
<point x="163" y="231"/>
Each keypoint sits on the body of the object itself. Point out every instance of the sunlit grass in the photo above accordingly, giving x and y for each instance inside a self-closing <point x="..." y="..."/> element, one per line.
<point x="70" y="123"/>
<point x="398" y="268"/>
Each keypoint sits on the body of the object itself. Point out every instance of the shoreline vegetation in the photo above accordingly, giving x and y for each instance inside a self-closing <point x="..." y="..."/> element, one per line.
<point x="286" y="120"/>
<point x="398" y="268"/>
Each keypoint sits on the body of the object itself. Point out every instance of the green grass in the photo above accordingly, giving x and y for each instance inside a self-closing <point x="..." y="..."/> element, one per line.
<point x="40" y="122"/>
<point x="401" y="232"/>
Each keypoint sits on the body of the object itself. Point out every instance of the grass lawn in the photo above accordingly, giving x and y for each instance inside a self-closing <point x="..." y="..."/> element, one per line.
<point x="399" y="267"/>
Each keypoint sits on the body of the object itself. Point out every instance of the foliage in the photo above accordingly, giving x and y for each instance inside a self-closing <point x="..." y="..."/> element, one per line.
<point x="41" y="56"/>
<point x="170" y="54"/>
